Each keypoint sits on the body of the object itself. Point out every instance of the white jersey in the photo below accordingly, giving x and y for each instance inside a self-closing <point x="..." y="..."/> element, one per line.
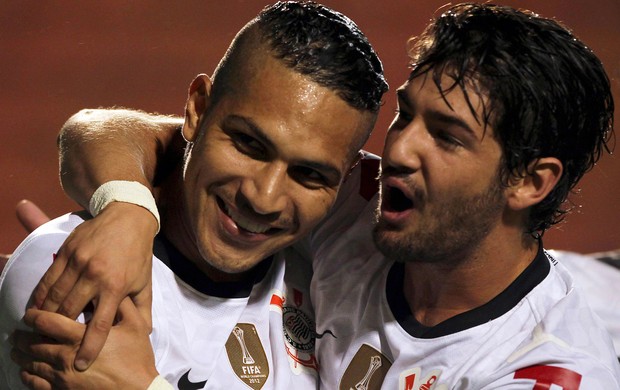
<point x="538" y="334"/>
<point x="600" y="283"/>
<point x="205" y="335"/>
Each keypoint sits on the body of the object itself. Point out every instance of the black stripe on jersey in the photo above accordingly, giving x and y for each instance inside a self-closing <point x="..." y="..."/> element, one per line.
<point x="612" y="258"/>
<point x="505" y="301"/>
<point x="192" y="275"/>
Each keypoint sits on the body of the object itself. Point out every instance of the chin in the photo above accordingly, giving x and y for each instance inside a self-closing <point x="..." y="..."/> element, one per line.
<point x="233" y="267"/>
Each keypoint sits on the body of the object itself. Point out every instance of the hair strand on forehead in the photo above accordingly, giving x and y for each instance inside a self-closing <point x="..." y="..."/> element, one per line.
<point x="547" y="94"/>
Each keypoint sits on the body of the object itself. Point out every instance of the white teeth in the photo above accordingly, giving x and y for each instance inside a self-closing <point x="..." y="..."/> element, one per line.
<point x="245" y="223"/>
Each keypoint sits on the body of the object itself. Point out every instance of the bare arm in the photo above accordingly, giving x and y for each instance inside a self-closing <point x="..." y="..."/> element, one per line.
<point x="108" y="258"/>
<point x="99" y="145"/>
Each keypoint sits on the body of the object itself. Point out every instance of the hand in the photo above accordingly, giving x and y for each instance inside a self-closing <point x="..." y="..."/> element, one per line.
<point x="102" y="261"/>
<point x="31" y="217"/>
<point x="46" y="356"/>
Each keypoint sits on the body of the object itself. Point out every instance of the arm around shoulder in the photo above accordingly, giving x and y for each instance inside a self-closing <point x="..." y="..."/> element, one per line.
<point x="100" y="145"/>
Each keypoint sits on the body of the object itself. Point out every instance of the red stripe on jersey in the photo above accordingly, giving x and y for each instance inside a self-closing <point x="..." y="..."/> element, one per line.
<point x="277" y="300"/>
<point x="298" y="297"/>
<point x="545" y="376"/>
<point x="369" y="184"/>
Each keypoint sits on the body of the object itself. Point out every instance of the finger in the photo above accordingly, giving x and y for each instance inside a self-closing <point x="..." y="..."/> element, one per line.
<point x="97" y="332"/>
<point x="82" y="293"/>
<point x="32" y="368"/>
<point x="48" y="280"/>
<point x="55" y="326"/>
<point x="129" y="314"/>
<point x="30" y="215"/>
<point x="63" y="283"/>
<point x="143" y="302"/>
<point x="34" y="382"/>
<point x="42" y="348"/>
<point x="28" y="342"/>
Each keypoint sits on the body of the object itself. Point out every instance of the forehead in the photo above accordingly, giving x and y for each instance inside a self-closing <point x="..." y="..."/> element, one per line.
<point x="291" y="108"/>
<point x="467" y="102"/>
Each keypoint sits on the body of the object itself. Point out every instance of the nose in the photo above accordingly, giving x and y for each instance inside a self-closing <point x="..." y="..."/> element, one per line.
<point x="401" y="152"/>
<point x="265" y="189"/>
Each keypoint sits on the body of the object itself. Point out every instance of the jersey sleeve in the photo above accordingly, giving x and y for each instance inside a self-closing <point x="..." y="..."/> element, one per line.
<point x="569" y="348"/>
<point x="576" y="375"/>
<point x="597" y="280"/>
<point x="20" y="276"/>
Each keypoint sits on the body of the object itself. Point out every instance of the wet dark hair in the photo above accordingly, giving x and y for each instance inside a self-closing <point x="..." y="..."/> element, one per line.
<point x="324" y="45"/>
<point x="328" y="47"/>
<point x="548" y="94"/>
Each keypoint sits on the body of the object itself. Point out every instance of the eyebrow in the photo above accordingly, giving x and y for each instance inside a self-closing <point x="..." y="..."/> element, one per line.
<point x="435" y="114"/>
<point x="325" y="168"/>
<point x="451" y="120"/>
<point x="258" y="132"/>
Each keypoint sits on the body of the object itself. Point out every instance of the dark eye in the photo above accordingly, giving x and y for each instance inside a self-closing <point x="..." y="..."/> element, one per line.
<point x="447" y="139"/>
<point x="249" y="145"/>
<point x="308" y="177"/>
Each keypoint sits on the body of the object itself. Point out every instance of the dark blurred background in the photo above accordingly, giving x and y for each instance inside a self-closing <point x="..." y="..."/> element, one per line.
<point x="58" y="57"/>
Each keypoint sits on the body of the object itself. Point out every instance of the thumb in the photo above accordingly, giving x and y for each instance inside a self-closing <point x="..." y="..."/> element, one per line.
<point x="128" y="314"/>
<point x="143" y="301"/>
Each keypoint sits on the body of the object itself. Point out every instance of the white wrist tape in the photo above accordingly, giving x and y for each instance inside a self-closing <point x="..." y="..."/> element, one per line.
<point x="159" y="383"/>
<point x="123" y="191"/>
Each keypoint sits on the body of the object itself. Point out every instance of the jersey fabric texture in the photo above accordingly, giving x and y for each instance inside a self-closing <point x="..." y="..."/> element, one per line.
<point x="205" y="335"/>
<point x="538" y="334"/>
<point x="600" y="282"/>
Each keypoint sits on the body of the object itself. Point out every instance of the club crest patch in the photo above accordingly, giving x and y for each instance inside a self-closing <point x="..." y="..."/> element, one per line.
<point x="366" y="371"/>
<point x="299" y="335"/>
<point x="298" y="329"/>
<point x="247" y="356"/>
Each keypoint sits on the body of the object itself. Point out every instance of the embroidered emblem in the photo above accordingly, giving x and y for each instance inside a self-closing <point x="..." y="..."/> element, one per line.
<point x="247" y="356"/>
<point x="366" y="370"/>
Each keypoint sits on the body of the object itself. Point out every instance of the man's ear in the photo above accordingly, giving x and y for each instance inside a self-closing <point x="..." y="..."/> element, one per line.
<point x="542" y="176"/>
<point x="198" y="100"/>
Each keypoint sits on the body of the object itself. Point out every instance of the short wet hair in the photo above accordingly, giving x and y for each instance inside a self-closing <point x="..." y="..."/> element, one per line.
<point x="324" y="45"/>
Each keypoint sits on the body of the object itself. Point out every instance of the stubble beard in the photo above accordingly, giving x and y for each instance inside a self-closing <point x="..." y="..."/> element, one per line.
<point x="451" y="231"/>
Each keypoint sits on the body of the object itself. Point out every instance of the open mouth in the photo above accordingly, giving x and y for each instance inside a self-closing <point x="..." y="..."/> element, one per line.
<point x="395" y="200"/>
<point x="243" y="223"/>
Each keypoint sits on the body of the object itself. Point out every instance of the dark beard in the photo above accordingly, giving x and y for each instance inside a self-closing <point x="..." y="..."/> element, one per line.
<point x="454" y="231"/>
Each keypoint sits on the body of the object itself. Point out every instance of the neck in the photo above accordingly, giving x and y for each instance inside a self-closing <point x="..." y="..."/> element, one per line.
<point x="436" y="292"/>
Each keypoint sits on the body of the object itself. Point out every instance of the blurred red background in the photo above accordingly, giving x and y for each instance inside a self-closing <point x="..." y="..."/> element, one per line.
<point x="59" y="57"/>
